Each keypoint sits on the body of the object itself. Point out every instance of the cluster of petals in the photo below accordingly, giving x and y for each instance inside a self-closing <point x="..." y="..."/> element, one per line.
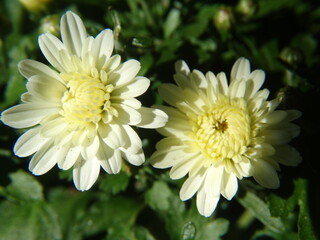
<point x="218" y="132"/>
<point x="80" y="114"/>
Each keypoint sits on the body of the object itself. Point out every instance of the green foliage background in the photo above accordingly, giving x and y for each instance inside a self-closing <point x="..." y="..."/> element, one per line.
<point x="278" y="36"/>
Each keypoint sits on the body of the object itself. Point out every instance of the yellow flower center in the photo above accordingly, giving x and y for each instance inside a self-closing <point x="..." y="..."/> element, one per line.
<point x="223" y="131"/>
<point x="87" y="98"/>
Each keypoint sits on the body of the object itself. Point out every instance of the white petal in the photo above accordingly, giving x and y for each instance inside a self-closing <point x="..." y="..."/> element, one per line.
<point x="60" y="156"/>
<point x="114" y="162"/>
<point x="171" y="93"/>
<point x="229" y="185"/>
<point x="104" y="152"/>
<point x="135" y="159"/>
<point x="287" y="155"/>
<point x="152" y="118"/>
<point x="72" y="156"/>
<point x="127" y="115"/>
<point x="183" y="166"/>
<point x="278" y="136"/>
<point x="73" y="32"/>
<point x="265" y="174"/>
<point x="111" y="134"/>
<point x="125" y="73"/>
<point x="167" y="157"/>
<point x="206" y="204"/>
<point x="29" y="142"/>
<point x="29" y="67"/>
<point x="244" y="167"/>
<point x="133" y="89"/>
<point x="131" y="102"/>
<point x="237" y="89"/>
<point x="51" y="47"/>
<point x="198" y="79"/>
<point x="112" y="63"/>
<point x="27" y="115"/>
<point x="256" y="79"/>
<point x="131" y="138"/>
<point x="85" y="173"/>
<point x="178" y="123"/>
<point x="44" y="159"/>
<point x="240" y="69"/>
<point x="102" y="47"/>
<point x="223" y="83"/>
<point x="275" y="117"/>
<point x="191" y="186"/>
<point x="182" y="67"/>
<point x="213" y="179"/>
<point x="47" y="89"/>
<point x="54" y="127"/>
<point x="183" y="81"/>
<point x="90" y="151"/>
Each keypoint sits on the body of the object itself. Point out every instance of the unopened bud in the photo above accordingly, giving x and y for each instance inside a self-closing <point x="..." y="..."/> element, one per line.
<point x="246" y="7"/>
<point x="223" y="18"/>
<point x="35" y="6"/>
<point x="50" y="24"/>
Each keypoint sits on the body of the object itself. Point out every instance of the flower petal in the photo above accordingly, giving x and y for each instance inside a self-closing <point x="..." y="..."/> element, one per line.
<point x="30" y="142"/>
<point x="127" y="115"/>
<point x="73" y="32"/>
<point x="206" y="204"/>
<point x="255" y="81"/>
<point x="192" y="185"/>
<point x="182" y="68"/>
<point x="85" y="173"/>
<point x="132" y="141"/>
<point x="51" y="47"/>
<point x="265" y="174"/>
<point x="125" y="73"/>
<point x="183" y="166"/>
<point x="113" y="164"/>
<point x="135" y="159"/>
<point x="27" y="115"/>
<point x="240" y="69"/>
<point x="29" y="67"/>
<point x="72" y="156"/>
<point x="152" y="118"/>
<point x="287" y="155"/>
<point x="102" y="47"/>
<point x="44" y="159"/>
<point x="133" y="89"/>
<point x="47" y="89"/>
<point x="229" y="185"/>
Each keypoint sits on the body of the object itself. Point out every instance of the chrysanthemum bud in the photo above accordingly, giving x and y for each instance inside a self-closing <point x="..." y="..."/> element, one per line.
<point x="50" y="24"/>
<point x="35" y="6"/>
<point x="246" y="7"/>
<point x="223" y="18"/>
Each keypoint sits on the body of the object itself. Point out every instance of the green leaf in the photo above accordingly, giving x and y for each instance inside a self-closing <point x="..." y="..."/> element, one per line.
<point x="72" y="209"/>
<point x="158" y="196"/>
<point x="142" y="233"/>
<point x="181" y="223"/>
<point x="115" y="183"/>
<point x="117" y="215"/>
<point x="171" y="23"/>
<point x="261" y="211"/>
<point x="214" y="230"/>
<point x="29" y="221"/>
<point x="23" y="187"/>
<point x="305" y="228"/>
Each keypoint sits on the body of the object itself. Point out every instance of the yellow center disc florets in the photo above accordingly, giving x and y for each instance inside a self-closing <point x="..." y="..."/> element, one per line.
<point x="223" y="131"/>
<point x="86" y="99"/>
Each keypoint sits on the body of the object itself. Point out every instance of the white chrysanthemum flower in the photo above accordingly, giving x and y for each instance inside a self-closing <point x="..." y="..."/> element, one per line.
<point x="217" y="133"/>
<point x="80" y="115"/>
